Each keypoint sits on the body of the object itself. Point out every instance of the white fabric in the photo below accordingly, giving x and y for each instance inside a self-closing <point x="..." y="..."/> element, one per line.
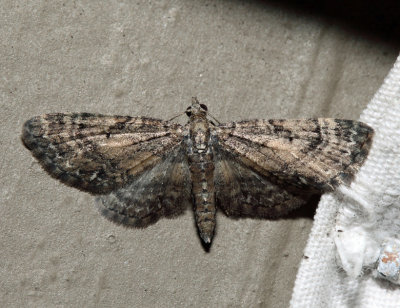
<point x="353" y="222"/>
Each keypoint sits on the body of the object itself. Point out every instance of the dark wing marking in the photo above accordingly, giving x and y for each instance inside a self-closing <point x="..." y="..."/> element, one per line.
<point x="161" y="191"/>
<point x="241" y="192"/>
<point x="98" y="153"/>
<point x="315" y="155"/>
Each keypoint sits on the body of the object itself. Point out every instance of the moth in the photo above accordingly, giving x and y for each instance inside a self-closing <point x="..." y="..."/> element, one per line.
<point x="142" y="169"/>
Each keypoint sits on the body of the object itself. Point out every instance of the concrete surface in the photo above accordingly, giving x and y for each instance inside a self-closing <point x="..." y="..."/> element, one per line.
<point x="243" y="59"/>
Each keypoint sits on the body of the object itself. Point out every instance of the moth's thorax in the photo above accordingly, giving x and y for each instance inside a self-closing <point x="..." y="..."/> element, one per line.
<point x="199" y="133"/>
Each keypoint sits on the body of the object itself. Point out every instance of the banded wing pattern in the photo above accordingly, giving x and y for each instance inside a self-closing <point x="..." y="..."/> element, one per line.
<point x="268" y="167"/>
<point x="143" y="169"/>
<point x="134" y="163"/>
<point x="98" y="153"/>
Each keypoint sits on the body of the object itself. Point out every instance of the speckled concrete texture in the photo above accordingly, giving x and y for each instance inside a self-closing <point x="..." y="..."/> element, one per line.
<point x="242" y="59"/>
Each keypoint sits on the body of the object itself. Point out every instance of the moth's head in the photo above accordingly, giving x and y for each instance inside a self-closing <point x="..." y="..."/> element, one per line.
<point x="196" y="109"/>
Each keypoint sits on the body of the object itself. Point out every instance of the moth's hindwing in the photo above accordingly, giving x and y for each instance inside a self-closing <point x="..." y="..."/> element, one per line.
<point x="242" y="192"/>
<point x="162" y="191"/>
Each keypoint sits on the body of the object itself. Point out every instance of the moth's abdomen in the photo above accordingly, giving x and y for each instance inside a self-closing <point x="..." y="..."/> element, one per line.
<point x="202" y="172"/>
<point x="201" y="164"/>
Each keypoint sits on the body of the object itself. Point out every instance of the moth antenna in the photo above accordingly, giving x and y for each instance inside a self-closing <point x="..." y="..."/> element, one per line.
<point x="212" y="117"/>
<point x="175" y="116"/>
